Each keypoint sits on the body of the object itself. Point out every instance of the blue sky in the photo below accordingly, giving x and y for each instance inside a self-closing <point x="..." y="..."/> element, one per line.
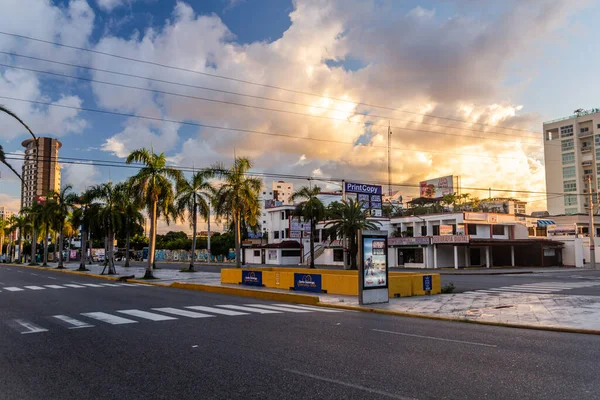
<point x="513" y="63"/>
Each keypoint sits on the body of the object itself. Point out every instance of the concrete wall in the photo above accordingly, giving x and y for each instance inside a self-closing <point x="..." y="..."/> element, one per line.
<point x="250" y="258"/>
<point x="326" y="258"/>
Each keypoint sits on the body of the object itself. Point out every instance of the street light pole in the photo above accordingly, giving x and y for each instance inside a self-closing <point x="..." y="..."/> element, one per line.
<point x="591" y="232"/>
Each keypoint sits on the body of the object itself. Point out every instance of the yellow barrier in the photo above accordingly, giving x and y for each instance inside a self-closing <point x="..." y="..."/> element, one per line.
<point x="400" y="286"/>
<point x="340" y="284"/>
<point x="417" y="285"/>
<point x="230" y="275"/>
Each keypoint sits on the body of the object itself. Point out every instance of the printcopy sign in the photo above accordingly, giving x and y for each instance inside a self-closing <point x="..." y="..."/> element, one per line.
<point x="363" y="188"/>
<point x="308" y="282"/>
<point x="252" y="278"/>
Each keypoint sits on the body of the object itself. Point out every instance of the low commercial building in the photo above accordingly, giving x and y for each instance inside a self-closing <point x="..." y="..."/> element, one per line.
<point x="287" y="252"/>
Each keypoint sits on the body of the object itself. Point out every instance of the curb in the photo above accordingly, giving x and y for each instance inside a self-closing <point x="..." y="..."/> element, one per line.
<point x="66" y="271"/>
<point x="463" y="320"/>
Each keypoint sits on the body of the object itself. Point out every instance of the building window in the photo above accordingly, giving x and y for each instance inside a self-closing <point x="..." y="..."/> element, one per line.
<point x="567" y="144"/>
<point x="282" y="215"/>
<point x="598" y="126"/>
<point x="566" y="131"/>
<point x="424" y="230"/>
<point x="570" y="200"/>
<point x="276" y="235"/>
<point x="283" y="234"/>
<point x="338" y="255"/>
<point x="597" y="140"/>
<point x="498" y="230"/>
<point x="436" y="230"/>
<point x="290" y="253"/>
<point x="570" y="186"/>
<point x="570" y="211"/>
<point x="584" y="130"/>
<point x="588" y="171"/>
<point x="568" y="172"/>
<point x="472" y="229"/>
<point x="256" y="253"/>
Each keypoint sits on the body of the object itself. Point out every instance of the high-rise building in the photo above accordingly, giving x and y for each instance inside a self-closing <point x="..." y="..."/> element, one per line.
<point x="5" y="213"/>
<point x="572" y="156"/>
<point x="41" y="174"/>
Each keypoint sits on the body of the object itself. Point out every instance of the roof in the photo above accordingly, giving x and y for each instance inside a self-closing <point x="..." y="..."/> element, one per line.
<point x="516" y="242"/>
<point x="286" y="244"/>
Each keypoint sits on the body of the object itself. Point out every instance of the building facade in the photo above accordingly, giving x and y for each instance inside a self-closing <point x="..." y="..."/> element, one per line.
<point x="5" y="213"/>
<point x="572" y="157"/>
<point x="41" y="170"/>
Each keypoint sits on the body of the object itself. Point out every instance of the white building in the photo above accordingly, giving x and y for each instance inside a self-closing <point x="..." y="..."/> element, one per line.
<point x="5" y="213"/>
<point x="572" y="155"/>
<point x="278" y="195"/>
<point x="504" y="205"/>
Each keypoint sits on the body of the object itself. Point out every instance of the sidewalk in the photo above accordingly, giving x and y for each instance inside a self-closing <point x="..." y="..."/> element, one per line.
<point x="539" y="311"/>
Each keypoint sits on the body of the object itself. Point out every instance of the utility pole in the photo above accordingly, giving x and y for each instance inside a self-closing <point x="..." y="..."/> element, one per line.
<point x="344" y="243"/>
<point x="389" y="160"/>
<point x="591" y="230"/>
<point x="208" y="239"/>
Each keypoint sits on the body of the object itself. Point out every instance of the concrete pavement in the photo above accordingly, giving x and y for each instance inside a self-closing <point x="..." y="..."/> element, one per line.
<point x="258" y="355"/>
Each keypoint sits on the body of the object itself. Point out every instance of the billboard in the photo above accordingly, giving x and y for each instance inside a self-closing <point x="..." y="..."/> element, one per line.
<point x="299" y="226"/>
<point x="438" y="187"/>
<point x="368" y="195"/>
<point x="308" y="282"/>
<point x="374" y="259"/>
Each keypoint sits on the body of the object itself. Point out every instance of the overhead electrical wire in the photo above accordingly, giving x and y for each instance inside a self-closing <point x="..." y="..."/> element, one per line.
<point x="189" y="123"/>
<point x="245" y="95"/>
<point x="253" y="83"/>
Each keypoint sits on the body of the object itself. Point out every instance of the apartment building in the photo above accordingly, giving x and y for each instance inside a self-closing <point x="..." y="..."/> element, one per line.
<point x="41" y="170"/>
<point x="572" y="157"/>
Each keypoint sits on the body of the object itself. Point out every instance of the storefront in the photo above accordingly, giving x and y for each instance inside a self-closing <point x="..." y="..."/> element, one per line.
<point x="408" y="252"/>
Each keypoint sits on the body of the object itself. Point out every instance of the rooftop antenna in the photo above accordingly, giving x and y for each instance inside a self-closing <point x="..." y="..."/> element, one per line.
<point x="389" y="160"/>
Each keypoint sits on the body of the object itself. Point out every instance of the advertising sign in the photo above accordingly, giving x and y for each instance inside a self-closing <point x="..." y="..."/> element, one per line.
<point x="438" y="187"/>
<point x="374" y="258"/>
<point x="408" y="241"/>
<point x="450" y="239"/>
<point x="445" y="230"/>
<point x="252" y="278"/>
<point x="299" y="226"/>
<point x="427" y="283"/>
<point x="308" y="282"/>
<point x="362" y="188"/>
<point x="295" y="234"/>
<point x="73" y="255"/>
<point x="368" y="195"/>
<point x="272" y="254"/>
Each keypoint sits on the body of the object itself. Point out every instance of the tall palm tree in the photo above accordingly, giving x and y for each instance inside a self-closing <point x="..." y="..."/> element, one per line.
<point x="153" y="186"/>
<point x="131" y="216"/>
<point x="34" y="217"/>
<point x="311" y="209"/>
<point x="193" y="197"/>
<point x="237" y="198"/>
<point x="59" y="206"/>
<point x="83" y="215"/>
<point x="47" y="219"/>
<point x="352" y="217"/>
<point x="110" y="217"/>
<point x="3" y="225"/>
<point x="20" y="224"/>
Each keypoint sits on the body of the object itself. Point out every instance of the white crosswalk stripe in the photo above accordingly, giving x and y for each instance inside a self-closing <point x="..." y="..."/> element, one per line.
<point x="110" y="284"/>
<point x="183" y="313"/>
<point x="74" y="285"/>
<point x="92" y="285"/>
<point x="276" y="308"/>
<point x="536" y="288"/>
<point x="26" y="327"/>
<point x="55" y="287"/>
<point x="13" y="289"/>
<point x="109" y="318"/>
<point x="34" y="287"/>
<point x="147" y="315"/>
<point x="250" y="309"/>
<point x="76" y="324"/>
<point x="217" y="310"/>
<point x="310" y="308"/>
<point x="68" y="285"/>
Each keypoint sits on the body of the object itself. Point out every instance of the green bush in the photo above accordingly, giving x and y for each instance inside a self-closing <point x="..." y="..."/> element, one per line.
<point x="449" y="288"/>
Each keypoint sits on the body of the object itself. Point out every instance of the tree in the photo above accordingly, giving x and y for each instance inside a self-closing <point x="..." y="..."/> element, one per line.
<point x="20" y="224"/>
<point x="46" y="220"/>
<point x="237" y="198"/>
<point x="312" y="210"/>
<point x="131" y="216"/>
<point x="109" y="216"/>
<point x="34" y="217"/>
<point x="59" y="206"/>
<point x="352" y="219"/>
<point x="153" y="187"/>
<point x="193" y="197"/>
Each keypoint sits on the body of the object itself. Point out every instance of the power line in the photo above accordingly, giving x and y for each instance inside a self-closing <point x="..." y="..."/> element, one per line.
<point x="253" y="83"/>
<point x="119" y="164"/>
<point x="244" y="95"/>
<point x="181" y="122"/>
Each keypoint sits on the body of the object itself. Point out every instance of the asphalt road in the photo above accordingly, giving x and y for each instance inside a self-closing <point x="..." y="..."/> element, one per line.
<point x="133" y="351"/>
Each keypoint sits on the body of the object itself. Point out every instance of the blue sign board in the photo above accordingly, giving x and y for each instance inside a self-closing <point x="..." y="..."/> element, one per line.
<point x="363" y="188"/>
<point x="308" y="282"/>
<point x="427" y="283"/>
<point x="252" y="278"/>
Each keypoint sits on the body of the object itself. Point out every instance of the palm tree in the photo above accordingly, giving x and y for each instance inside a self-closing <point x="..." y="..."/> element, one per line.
<point x="351" y="219"/>
<point x="59" y="206"/>
<point x="3" y="225"/>
<point x="154" y="189"/>
<point x="84" y="215"/>
<point x="34" y="217"/>
<point x="237" y="198"/>
<point x="194" y="196"/>
<point x="19" y="224"/>
<point x="312" y="210"/>
<point x="109" y="215"/>
<point x="130" y="214"/>
<point x="46" y="219"/>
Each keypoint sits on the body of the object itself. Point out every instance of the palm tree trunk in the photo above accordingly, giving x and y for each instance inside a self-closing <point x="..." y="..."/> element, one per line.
<point x="61" y="239"/>
<point x="33" y="245"/>
<point x="1" y="242"/>
<point x="312" y="243"/>
<point x="20" y="247"/>
<point x="353" y="252"/>
<point x="110" y="254"/>
<point x="237" y="224"/>
<point x="83" y="250"/>
<point x="45" y="261"/>
<point x="152" y="243"/>
<point x="127" y="244"/>
<point x="194" y="229"/>
<point x="55" y="246"/>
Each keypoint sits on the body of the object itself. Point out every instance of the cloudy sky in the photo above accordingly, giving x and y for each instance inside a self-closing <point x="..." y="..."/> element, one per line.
<point x="493" y="71"/>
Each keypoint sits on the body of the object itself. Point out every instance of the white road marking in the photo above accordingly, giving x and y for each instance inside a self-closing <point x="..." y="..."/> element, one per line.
<point x="351" y="385"/>
<point x="217" y="310"/>
<point x="49" y="277"/>
<point x="91" y="285"/>
<point x="183" y="313"/>
<point x="276" y="308"/>
<point x="13" y="289"/>
<point x="146" y="315"/>
<point x="310" y="308"/>
<point x="250" y="309"/>
<point x="73" y="285"/>
<point x="435" y="338"/>
<point x="108" y="318"/>
<point x="110" y="284"/>
<point x="55" y="287"/>
<point x="35" y="287"/>
<point x="30" y="327"/>
<point x="77" y="324"/>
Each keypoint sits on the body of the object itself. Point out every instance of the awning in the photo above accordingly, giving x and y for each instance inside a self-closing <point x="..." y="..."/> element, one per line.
<point x="545" y="222"/>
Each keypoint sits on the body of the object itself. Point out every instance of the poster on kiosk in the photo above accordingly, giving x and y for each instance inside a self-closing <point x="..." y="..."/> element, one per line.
<point x="373" y="267"/>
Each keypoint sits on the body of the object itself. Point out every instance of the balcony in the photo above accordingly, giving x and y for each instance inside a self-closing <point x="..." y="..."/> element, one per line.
<point x="586" y="149"/>
<point x="585" y="134"/>
<point x="587" y="163"/>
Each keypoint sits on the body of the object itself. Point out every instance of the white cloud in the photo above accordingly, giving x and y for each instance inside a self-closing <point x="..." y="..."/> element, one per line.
<point x="109" y="5"/>
<point x="13" y="203"/>
<point x="80" y="176"/>
<point x="420" y="12"/>
<point x="138" y="133"/>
